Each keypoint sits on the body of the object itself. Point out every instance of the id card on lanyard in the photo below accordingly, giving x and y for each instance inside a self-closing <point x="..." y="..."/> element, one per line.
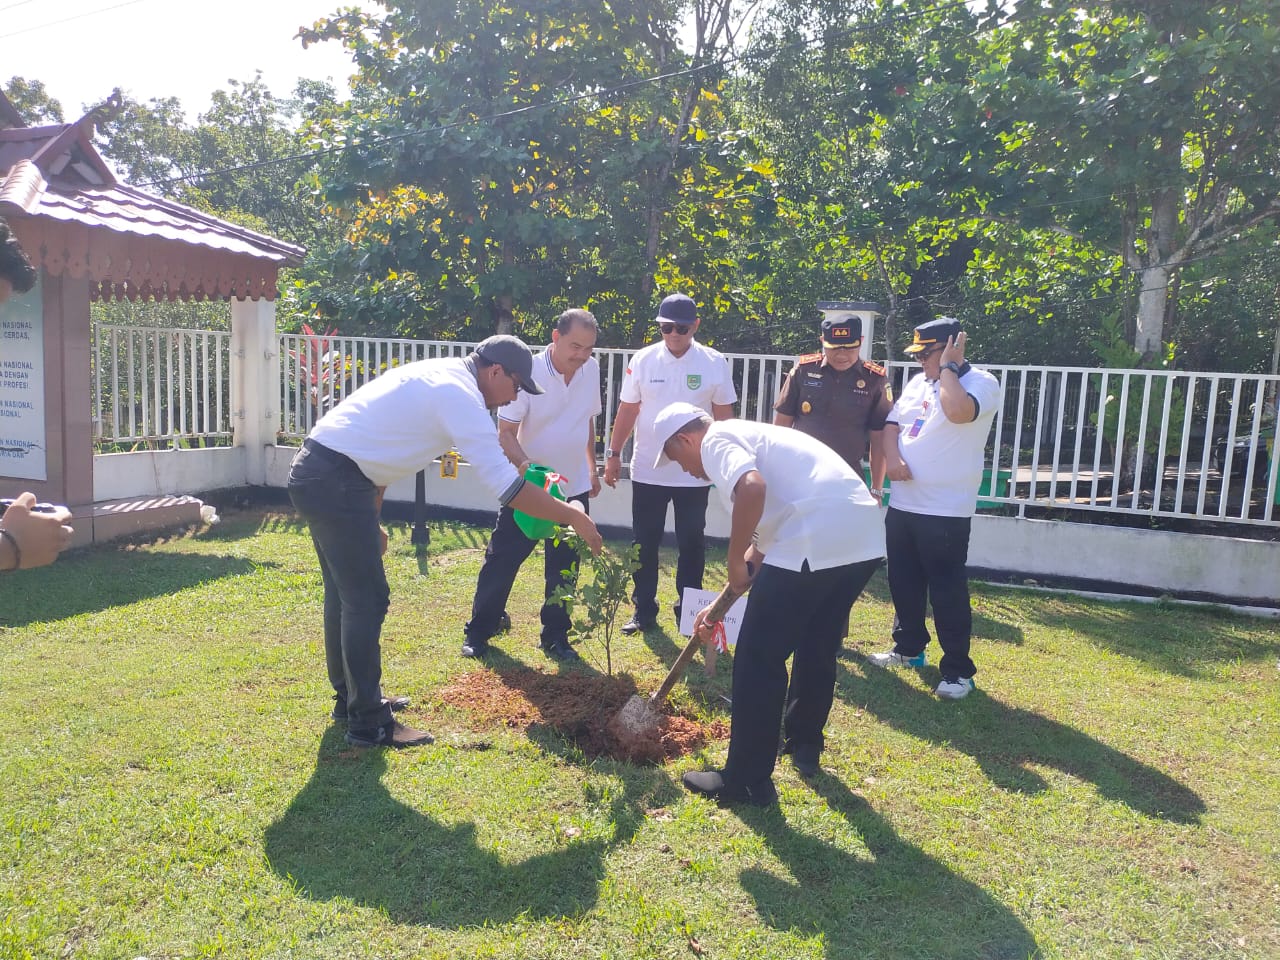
<point x="919" y="421"/>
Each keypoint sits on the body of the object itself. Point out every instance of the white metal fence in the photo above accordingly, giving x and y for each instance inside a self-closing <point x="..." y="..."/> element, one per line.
<point x="1154" y="443"/>
<point x="158" y="386"/>
<point x="1175" y="444"/>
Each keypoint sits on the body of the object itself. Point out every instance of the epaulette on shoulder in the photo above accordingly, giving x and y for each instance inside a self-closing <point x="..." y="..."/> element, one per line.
<point x="874" y="367"/>
<point x="808" y="358"/>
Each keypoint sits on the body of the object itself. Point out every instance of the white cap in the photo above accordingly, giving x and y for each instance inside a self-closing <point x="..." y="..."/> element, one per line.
<point x="672" y="418"/>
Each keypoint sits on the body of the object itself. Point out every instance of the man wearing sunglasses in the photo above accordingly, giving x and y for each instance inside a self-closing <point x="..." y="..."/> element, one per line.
<point x="677" y="369"/>
<point x="934" y="442"/>
<point x="385" y="431"/>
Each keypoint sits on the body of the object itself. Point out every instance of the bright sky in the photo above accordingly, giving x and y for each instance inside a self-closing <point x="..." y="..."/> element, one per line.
<point x="81" y="49"/>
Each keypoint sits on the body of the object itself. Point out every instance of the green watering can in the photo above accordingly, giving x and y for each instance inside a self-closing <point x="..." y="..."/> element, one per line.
<point x="536" y="528"/>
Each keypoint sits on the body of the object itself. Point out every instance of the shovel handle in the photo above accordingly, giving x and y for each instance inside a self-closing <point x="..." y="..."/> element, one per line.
<point x="718" y="608"/>
<point x="676" y="670"/>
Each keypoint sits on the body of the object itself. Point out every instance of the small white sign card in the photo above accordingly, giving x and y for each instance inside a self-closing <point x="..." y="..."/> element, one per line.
<point x="695" y="600"/>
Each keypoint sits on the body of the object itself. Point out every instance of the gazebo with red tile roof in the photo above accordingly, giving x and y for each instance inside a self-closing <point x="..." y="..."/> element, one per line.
<point x="95" y="238"/>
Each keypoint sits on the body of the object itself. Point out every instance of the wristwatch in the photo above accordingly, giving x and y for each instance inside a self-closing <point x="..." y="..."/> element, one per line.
<point x="610" y="454"/>
<point x="952" y="366"/>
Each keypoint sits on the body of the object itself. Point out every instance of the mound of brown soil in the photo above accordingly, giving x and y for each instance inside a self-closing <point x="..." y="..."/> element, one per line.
<point x="577" y="706"/>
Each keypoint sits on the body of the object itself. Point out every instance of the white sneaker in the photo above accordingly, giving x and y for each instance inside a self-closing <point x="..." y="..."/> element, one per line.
<point x="954" y="688"/>
<point x="891" y="658"/>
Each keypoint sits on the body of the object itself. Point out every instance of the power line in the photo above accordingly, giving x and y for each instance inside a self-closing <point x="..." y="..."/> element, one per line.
<point x="567" y="101"/>
<point x="604" y="94"/>
<point x="441" y="128"/>
<point x="1057" y="306"/>
<point x="861" y="27"/>
<point x="55" y="23"/>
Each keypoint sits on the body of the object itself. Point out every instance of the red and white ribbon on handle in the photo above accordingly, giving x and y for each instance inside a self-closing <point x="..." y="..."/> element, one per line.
<point x="719" y="639"/>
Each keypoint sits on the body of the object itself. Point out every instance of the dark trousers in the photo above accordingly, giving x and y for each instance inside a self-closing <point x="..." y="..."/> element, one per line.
<point x="801" y="612"/>
<point x="927" y="563"/>
<point x="339" y="504"/>
<point x="648" y="518"/>
<point x="508" y="549"/>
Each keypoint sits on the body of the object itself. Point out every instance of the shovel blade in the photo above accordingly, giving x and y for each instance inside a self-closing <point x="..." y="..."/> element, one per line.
<point x="636" y="723"/>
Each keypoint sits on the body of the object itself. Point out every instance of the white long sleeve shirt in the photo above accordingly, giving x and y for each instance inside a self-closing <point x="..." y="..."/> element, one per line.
<point x="396" y="424"/>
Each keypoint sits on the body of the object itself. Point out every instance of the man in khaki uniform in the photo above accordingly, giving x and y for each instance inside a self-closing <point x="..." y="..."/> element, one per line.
<point x="840" y="399"/>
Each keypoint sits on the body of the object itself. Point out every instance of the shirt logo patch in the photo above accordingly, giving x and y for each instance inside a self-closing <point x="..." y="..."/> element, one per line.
<point x="806" y="407"/>
<point x="862" y="384"/>
<point x="693" y="381"/>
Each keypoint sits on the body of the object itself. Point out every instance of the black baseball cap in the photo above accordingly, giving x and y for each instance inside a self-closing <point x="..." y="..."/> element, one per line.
<point x="678" y="308"/>
<point x="513" y="356"/>
<point x="842" y="332"/>
<point x="937" y="331"/>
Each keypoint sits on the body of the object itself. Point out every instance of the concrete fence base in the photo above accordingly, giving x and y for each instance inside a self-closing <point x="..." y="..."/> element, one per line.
<point x="1108" y="558"/>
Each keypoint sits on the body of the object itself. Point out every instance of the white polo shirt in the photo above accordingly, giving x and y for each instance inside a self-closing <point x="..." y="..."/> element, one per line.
<point x="945" y="458"/>
<point x="396" y="424"/>
<point x="816" y="507"/>
<point x="555" y="427"/>
<point x="655" y="378"/>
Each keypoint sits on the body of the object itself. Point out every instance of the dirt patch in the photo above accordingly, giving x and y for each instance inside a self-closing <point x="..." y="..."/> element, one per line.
<point x="578" y="707"/>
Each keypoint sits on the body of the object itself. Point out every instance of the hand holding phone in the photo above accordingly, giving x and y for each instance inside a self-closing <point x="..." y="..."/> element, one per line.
<point x="33" y="534"/>
<point x="6" y="503"/>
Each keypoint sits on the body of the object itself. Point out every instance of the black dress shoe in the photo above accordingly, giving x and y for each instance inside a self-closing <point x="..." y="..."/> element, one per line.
<point x="340" y="705"/>
<point x="710" y="784"/>
<point x="636" y="625"/>
<point x="393" y="734"/>
<point x="560" y="650"/>
<point x="475" y="648"/>
<point x="805" y="760"/>
<point x="804" y="757"/>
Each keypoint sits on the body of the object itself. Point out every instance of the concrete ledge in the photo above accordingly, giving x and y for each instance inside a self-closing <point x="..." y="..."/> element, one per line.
<point x="157" y="473"/>
<point x="1098" y="557"/>
<point x="1129" y="560"/>
<point x="125" y="518"/>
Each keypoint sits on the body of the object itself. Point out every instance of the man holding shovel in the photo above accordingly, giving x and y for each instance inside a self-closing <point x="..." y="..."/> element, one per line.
<point x="805" y="537"/>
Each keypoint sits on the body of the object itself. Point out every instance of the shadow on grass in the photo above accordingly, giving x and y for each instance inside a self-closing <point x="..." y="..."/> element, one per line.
<point x="894" y="901"/>
<point x="344" y="835"/>
<point x="446" y="535"/>
<point x="664" y="642"/>
<point x="997" y="631"/>
<point x="1006" y="740"/>
<point x="1175" y="639"/>
<point x="84" y="582"/>
<point x="505" y="665"/>
<point x="993" y="619"/>
<point x="877" y="589"/>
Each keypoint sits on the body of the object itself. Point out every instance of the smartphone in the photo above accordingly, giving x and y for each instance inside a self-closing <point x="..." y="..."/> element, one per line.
<point x="37" y="508"/>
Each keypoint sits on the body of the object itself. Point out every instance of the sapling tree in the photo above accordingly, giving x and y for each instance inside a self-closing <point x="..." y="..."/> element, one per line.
<point x="593" y="605"/>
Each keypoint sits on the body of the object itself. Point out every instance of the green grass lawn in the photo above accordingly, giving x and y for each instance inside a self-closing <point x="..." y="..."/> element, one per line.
<point x="171" y="784"/>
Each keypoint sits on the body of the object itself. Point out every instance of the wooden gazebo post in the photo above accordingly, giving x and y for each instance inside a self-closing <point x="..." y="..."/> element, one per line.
<point x="93" y="237"/>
